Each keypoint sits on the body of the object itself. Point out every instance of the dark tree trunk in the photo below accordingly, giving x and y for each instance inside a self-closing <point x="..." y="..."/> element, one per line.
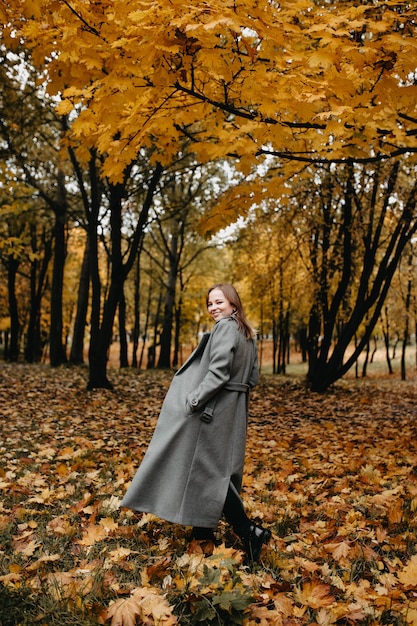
<point x="366" y="361"/>
<point x="178" y="312"/>
<point x="371" y="284"/>
<point x="101" y="335"/>
<point x="122" y="332"/>
<point x="57" y="353"/>
<point x="386" y="333"/>
<point x="146" y="325"/>
<point x="406" y="333"/>
<point x="38" y="270"/>
<point x="13" y="347"/>
<point x="136" y="313"/>
<point x="169" y="304"/>
<point x="156" y="337"/>
<point x="77" y="346"/>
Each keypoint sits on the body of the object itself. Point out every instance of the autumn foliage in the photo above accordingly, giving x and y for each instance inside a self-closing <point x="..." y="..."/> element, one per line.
<point x="305" y="80"/>
<point x="333" y="476"/>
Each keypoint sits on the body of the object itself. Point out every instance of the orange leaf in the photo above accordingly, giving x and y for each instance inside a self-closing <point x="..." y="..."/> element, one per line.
<point x="92" y="534"/>
<point x="314" y="594"/>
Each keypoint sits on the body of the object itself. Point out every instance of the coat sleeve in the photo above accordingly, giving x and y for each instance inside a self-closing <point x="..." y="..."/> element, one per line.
<point x="222" y="350"/>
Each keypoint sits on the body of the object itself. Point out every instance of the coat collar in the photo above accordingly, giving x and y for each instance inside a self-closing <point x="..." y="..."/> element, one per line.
<point x="199" y="349"/>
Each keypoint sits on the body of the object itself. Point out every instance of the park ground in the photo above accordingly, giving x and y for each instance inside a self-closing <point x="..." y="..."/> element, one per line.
<point x="334" y="476"/>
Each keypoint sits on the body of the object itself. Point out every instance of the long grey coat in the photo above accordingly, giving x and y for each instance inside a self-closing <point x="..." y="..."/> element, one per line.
<point x="198" y="445"/>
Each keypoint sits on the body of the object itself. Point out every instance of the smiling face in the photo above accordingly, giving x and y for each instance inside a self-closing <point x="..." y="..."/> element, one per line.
<point x="218" y="306"/>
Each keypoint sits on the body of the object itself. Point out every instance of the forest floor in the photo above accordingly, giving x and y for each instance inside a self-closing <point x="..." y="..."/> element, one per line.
<point x="334" y="476"/>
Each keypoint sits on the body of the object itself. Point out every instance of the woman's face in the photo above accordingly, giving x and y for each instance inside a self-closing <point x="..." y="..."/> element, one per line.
<point x="218" y="306"/>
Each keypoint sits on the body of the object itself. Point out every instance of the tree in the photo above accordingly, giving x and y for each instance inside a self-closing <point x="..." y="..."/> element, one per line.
<point x="186" y="192"/>
<point x="30" y="130"/>
<point x="41" y="254"/>
<point x="122" y="262"/>
<point x="308" y="80"/>
<point x="266" y="258"/>
<point x="367" y="220"/>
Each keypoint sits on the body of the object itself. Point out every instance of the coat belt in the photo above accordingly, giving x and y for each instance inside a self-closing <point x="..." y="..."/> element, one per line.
<point x="237" y="387"/>
<point x="207" y="414"/>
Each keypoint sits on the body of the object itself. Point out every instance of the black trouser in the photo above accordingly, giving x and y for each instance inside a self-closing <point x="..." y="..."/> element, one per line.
<point x="235" y="515"/>
<point x="234" y="512"/>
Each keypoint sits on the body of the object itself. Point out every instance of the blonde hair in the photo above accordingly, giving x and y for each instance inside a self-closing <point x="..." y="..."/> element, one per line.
<point x="232" y="295"/>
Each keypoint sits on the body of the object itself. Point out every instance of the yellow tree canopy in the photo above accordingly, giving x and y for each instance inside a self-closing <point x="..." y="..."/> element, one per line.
<point x="300" y="79"/>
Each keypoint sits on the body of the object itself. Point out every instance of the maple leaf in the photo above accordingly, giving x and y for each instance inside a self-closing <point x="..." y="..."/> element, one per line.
<point x="93" y="534"/>
<point x="314" y="594"/>
<point x="408" y="575"/>
<point x="61" y="526"/>
<point x="339" y="550"/>
<point x="46" y="558"/>
<point x="27" y="548"/>
<point x="72" y="584"/>
<point x="145" y="603"/>
<point x="264" y="616"/>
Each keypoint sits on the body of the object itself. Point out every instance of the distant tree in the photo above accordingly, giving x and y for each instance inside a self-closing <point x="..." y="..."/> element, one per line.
<point x="103" y="313"/>
<point x="187" y="191"/>
<point x="30" y="131"/>
<point x="368" y="217"/>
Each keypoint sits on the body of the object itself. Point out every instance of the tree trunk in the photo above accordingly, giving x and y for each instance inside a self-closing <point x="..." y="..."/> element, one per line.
<point x="366" y="361"/>
<point x="406" y="334"/>
<point x="146" y="325"/>
<point x="124" y="362"/>
<point x="178" y="312"/>
<point x="136" y="313"/>
<point x="34" y="347"/>
<point x="57" y="353"/>
<point x="164" y="360"/>
<point x="386" y="333"/>
<point x="371" y="284"/>
<point x="77" y="345"/>
<point x="156" y="337"/>
<point x="101" y="335"/>
<point x="13" y="346"/>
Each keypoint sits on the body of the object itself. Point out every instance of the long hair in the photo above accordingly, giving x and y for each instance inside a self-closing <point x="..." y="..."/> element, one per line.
<point x="232" y="295"/>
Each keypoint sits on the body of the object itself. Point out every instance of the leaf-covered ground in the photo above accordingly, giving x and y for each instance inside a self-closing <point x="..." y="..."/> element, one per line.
<point x="333" y="476"/>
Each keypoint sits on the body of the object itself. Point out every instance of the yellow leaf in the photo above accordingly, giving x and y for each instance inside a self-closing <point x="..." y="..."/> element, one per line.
<point x="338" y="550"/>
<point x="61" y="526"/>
<point x="27" y="548"/>
<point x="92" y="534"/>
<point x="108" y="524"/>
<point x="65" y="107"/>
<point x="120" y="554"/>
<point x="13" y="577"/>
<point x="43" y="559"/>
<point x="32" y="8"/>
<point x="314" y="594"/>
<point x="14" y="568"/>
<point x="412" y="617"/>
<point x="408" y="575"/>
<point x="321" y="58"/>
<point x="148" y="605"/>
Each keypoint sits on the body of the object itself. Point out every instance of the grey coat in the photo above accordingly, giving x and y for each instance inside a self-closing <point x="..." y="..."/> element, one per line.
<point x="198" y="445"/>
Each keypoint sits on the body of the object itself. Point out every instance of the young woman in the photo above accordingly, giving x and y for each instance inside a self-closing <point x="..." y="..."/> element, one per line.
<point x="192" y="471"/>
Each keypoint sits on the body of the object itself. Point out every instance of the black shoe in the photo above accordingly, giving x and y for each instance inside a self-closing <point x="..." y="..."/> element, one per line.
<point x="254" y="541"/>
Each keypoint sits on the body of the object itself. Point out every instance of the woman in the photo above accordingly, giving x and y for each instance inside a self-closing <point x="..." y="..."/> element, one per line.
<point x="192" y="470"/>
